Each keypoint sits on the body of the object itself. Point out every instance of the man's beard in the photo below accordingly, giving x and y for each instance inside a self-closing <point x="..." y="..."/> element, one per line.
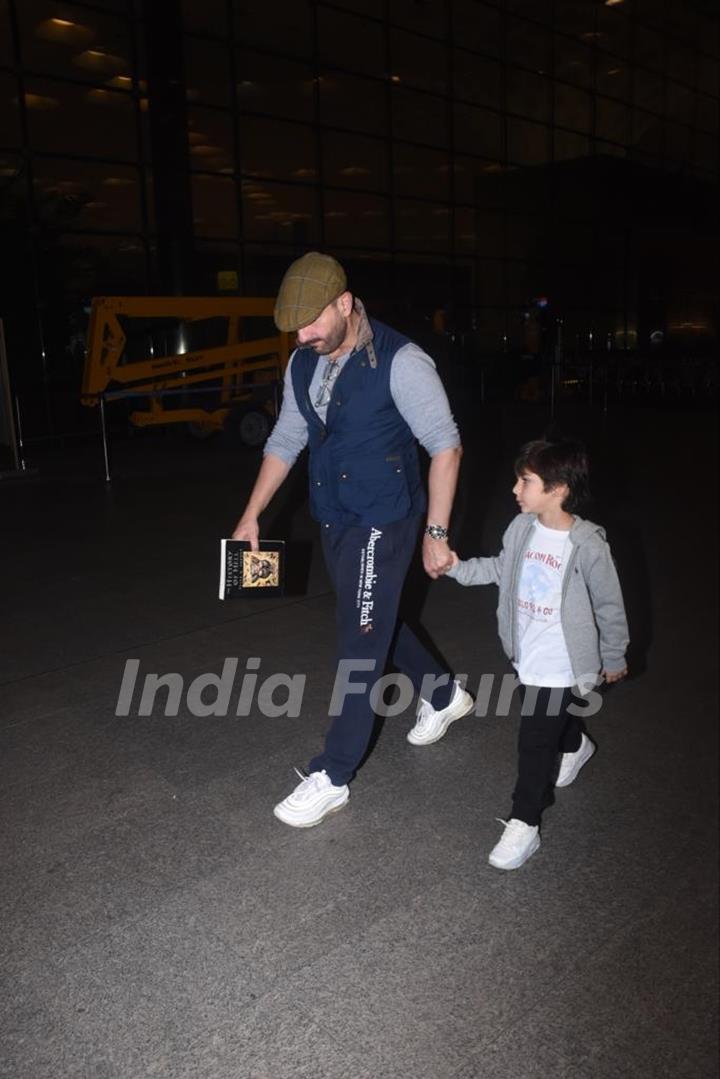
<point x="325" y="345"/>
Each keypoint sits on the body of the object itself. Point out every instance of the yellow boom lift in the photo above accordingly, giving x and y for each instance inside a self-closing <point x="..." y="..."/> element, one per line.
<point x="211" y="363"/>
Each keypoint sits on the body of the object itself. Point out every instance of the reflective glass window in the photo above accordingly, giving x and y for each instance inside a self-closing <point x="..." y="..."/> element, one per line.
<point x="528" y="143"/>
<point x="351" y="42"/>
<point x="677" y="143"/>
<point x="214" y="206"/>
<point x="540" y="10"/>
<point x="705" y="152"/>
<point x="275" y="85"/>
<point x="646" y="132"/>
<point x="528" y="94"/>
<point x="611" y="120"/>
<point x="430" y="19"/>
<point x="64" y="118"/>
<point x="97" y="265"/>
<point x="681" y="62"/>
<point x="363" y="7"/>
<point x="355" y="218"/>
<point x="354" y="161"/>
<point x="568" y="145"/>
<point x="420" y="171"/>
<point x="478" y="26"/>
<point x="78" y="194"/>
<point x="206" y="17"/>
<point x="277" y="150"/>
<point x="350" y="101"/>
<point x="528" y="45"/>
<point x="708" y="75"/>
<point x="707" y="113"/>
<point x="526" y="236"/>
<point x="479" y="131"/>
<point x="420" y="226"/>
<point x="6" y="52"/>
<point x="576" y="17"/>
<point x="419" y="117"/>
<point x="418" y="61"/>
<point x="207" y="71"/>
<point x="649" y="48"/>
<point x="477" y="79"/>
<point x="279" y="213"/>
<point x="9" y="111"/>
<point x="476" y="181"/>
<point x="210" y="139"/>
<point x="573" y="61"/>
<point x="613" y="28"/>
<point x="573" y="108"/>
<point x="612" y="77"/>
<point x="648" y="90"/>
<point x="490" y="230"/>
<point x="61" y="39"/>
<point x="680" y="102"/>
<point x="282" y="26"/>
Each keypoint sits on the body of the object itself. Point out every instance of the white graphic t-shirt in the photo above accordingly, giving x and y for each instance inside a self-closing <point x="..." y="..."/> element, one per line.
<point x="543" y="657"/>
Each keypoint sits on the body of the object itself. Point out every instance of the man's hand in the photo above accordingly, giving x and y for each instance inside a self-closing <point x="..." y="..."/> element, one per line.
<point x="437" y="557"/>
<point x="614" y="676"/>
<point x="248" y="529"/>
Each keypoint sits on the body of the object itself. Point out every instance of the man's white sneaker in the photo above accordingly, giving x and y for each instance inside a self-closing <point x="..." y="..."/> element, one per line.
<point x="518" y="842"/>
<point x="311" y="801"/>
<point x="431" y="725"/>
<point x="571" y="763"/>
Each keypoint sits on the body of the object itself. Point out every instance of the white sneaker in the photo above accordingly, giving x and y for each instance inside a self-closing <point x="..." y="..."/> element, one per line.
<point x="431" y="725"/>
<point x="518" y="842"/>
<point x="571" y="763"/>
<point x="311" y="801"/>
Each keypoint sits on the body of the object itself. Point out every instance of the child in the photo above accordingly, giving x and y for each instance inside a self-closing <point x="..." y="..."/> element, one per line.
<point x="561" y="620"/>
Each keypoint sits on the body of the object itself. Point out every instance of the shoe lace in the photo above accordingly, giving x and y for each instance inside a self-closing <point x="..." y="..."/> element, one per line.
<point x="308" y="782"/>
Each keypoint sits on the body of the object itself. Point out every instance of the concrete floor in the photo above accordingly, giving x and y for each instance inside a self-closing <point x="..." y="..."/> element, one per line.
<point x="158" y="921"/>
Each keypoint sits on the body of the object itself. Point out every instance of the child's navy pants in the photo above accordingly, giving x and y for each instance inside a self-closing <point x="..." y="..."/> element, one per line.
<point x="546" y="729"/>
<point x="367" y="566"/>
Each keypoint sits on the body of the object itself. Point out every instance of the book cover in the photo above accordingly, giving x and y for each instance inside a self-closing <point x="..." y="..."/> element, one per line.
<point x="247" y="573"/>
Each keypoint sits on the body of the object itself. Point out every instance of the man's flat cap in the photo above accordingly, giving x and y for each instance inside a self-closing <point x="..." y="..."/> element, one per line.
<point x="310" y="284"/>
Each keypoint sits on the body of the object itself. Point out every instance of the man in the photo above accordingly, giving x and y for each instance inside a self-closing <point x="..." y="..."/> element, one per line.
<point x="360" y="394"/>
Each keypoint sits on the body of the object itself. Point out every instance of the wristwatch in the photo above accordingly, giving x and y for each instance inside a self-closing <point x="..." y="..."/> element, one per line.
<point x="437" y="532"/>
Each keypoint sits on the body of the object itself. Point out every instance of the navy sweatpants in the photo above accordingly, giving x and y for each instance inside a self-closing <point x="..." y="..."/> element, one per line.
<point x="368" y="567"/>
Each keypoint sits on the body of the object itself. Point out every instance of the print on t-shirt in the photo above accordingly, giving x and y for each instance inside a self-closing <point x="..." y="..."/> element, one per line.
<point x="543" y="658"/>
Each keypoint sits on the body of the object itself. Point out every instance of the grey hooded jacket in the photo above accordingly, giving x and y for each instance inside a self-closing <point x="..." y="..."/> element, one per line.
<point x="592" y="613"/>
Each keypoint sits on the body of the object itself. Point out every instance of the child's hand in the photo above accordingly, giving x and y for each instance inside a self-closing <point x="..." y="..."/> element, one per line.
<point x="455" y="560"/>
<point x="614" y="676"/>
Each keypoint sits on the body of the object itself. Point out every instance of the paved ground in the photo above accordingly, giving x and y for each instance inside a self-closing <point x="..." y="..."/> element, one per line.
<point x="158" y="921"/>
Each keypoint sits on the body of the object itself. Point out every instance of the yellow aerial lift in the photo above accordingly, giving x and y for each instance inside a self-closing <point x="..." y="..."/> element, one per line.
<point x="211" y="363"/>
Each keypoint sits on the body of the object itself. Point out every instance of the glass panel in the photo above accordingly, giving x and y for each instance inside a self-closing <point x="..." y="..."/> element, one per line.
<point x="476" y="180"/>
<point x="279" y="213"/>
<point x="208" y="17"/>
<point x="611" y="120"/>
<point x="349" y="101"/>
<point x="211" y="258"/>
<point x="79" y="195"/>
<point x="528" y="94"/>
<point x="575" y="17"/>
<point x="6" y="52"/>
<point x="214" y="206"/>
<point x="476" y="79"/>
<point x="705" y="152"/>
<point x="649" y="48"/>
<point x="614" y="30"/>
<point x="354" y="161"/>
<point x="573" y="61"/>
<point x="419" y="117"/>
<point x="352" y="42"/>
<point x="490" y="228"/>
<point x="677" y="143"/>
<point x="282" y="26"/>
<point x="363" y="7"/>
<point x="526" y="236"/>
<point x="708" y="79"/>
<point x="647" y="132"/>
<point x="417" y="61"/>
<point x="567" y="146"/>
<point x="465" y="231"/>
<point x="707" y="113"/>
<point x="681" y="63"/>
<point x="680" y="102"/>
<point x="62" y="39"/>
<point x="421" y="172"/>
<point x="477" y="26"/>
<point x="479" y="131"/>
<point x="528" y="143"/>
<point x="99" y="266"/>
<point x="429" y="18"/>
<point x="210" y="137"/>
<point x="354" y="218"/>
<point x="528" y="45"/>
<point x="573" y="108"/>
<point x="649" y="91"/>
<point x="277" y="150"/>
<point x="541" y="10"/>
<point x="207" y="71"/>
<point x="421" y="227"/>
<point x="80" y="120"/>
<point x="275" y="85"/>
<point x="612" y="77"/>
<point x="9" y="112"/>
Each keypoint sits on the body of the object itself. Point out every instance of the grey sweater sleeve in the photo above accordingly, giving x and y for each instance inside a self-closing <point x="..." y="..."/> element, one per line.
<point x="290" y="434"/>
<point x="608" y="607"/>
<point x="478" y="570"/>
<point x="421" y="399"/>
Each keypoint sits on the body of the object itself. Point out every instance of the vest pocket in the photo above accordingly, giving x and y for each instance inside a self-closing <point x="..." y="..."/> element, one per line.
<point x="375" y="485"/>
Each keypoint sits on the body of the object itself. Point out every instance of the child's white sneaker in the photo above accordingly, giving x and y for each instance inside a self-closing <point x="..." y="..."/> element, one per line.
<point x="571" y="763"/>
<point x="518" y="842"/>
<point x="431" y="725"/>
<point x="311" y="801"/>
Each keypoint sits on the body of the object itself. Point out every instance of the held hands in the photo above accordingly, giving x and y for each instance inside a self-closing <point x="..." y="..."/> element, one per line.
<point x="437" y="557"/>
<point x="614" y="676"/>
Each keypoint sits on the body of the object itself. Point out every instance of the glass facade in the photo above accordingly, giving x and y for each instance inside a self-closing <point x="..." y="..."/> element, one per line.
<point x="457" y="154"/>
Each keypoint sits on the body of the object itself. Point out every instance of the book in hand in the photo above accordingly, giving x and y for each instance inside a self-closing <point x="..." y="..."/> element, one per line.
<point x="247" y="573"/>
